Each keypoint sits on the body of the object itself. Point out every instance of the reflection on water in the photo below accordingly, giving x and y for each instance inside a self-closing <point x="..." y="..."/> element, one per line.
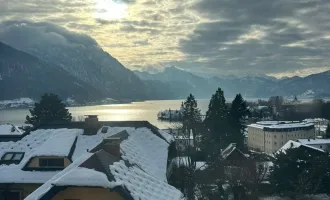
<point x="116" y="112"/>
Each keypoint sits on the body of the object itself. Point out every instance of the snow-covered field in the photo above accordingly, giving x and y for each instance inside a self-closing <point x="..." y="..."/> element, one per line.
<point x="17" y="103"/>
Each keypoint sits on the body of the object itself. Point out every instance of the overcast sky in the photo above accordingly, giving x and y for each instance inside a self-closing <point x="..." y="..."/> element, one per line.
<point x="275" y="37"/>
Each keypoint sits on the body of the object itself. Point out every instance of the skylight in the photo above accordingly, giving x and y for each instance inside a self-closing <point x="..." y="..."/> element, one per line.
<point x="12" y="158"/>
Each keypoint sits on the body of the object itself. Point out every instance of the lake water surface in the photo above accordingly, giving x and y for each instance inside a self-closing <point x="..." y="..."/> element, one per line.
<point x="146" y="110"/>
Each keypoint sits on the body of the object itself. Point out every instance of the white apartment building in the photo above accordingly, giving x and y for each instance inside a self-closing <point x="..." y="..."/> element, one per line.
<point x="270" y="136"/>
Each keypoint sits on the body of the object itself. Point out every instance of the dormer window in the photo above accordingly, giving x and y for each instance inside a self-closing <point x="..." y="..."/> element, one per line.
<point x="51" y="162"/>
<point x="12" y="158"/>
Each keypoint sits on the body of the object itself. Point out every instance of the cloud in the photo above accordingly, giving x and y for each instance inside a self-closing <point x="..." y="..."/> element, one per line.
<point x="29" y="34"/>
<point x="208" y="36"/>
<point x="252" y="36"/>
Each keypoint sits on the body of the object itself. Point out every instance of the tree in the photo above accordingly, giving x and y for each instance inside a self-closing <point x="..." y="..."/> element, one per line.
<point x="301" y="171"/>
<point x="185" y="176"/>
<point x="238" y="113"/>
<point x="49" y="109"/>
<point x="327" y="135"/>
<point x="216" y="116"/>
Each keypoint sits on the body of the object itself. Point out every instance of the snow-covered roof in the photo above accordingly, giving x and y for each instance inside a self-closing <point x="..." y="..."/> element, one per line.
<point x="229" y="149"/>
<point x="168" y="137"/>
<point x="142" y="147"/>
<point x="143" y="185"/>
<point x="315" y="120"/>
<point x="292" y="144"/>
<point x="59" y="143"/>
<point x="313" y="141"/>
<point x="43" y="189"/>
<point x="280" y="125"/>
<point x="9" y="129"/>
<point x="146" y="150"/>
<point x="81" y="176"/>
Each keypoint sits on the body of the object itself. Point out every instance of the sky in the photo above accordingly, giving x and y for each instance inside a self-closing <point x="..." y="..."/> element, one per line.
<point x="207" y="37"/>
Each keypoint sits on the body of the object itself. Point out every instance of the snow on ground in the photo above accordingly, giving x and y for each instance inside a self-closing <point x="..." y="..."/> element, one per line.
<point x="16" y="103"/>
<point x="142" y="185"/>
<point x="81" y="176"/>
<point x="9" y="129"/>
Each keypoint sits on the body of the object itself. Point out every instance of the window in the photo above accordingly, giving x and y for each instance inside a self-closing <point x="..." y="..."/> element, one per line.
<point x="12" y="158"/>
<point x="51" y="162"/>
<point x="11" y="195"/>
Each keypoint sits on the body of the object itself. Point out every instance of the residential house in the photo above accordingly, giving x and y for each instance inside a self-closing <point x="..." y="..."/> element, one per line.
<point x="323" y="144"/>
<point x="88" y="160"/>
<point x="9" y="132"/>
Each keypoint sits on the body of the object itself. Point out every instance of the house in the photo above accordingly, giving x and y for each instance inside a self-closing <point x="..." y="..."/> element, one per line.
<point x="9" y="132"/>
<point x="269" y="136"/>
<point x="293" y="144"/>
<point x="88" y="160"/>
<point x="323" y="144"/>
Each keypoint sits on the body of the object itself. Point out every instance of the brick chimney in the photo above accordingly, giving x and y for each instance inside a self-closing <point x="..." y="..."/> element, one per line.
<point x="91" y="124"/>
<point x="112" y="146"/>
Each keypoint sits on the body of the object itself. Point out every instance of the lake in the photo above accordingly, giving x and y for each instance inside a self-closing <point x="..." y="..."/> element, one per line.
<point x="146" y="110"/>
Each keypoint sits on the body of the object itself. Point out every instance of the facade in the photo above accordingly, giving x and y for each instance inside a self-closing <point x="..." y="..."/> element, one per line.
<point x="270" y="136"/>
<point x="110" y="160"/>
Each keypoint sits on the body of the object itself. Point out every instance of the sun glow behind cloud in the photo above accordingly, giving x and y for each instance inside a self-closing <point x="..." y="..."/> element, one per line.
<point x="110" y="10"/>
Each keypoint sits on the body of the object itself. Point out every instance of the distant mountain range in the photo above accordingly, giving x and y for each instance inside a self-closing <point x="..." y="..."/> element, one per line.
<point x="39" y="57"/>
<point x="178" y="83"/>
<point x="23" y="75"/>
<point x="76" y="55"/>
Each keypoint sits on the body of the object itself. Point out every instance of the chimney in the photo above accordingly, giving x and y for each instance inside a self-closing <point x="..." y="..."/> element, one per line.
<point x="112" y="146"/>
<point x="91" y="124"/>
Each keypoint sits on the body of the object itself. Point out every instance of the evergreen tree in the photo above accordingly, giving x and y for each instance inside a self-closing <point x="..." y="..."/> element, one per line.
<point x="301" y="171"/>
<point x="327" y="135"/>
<point x="237" y="115"/>
<point x="191" y="115"/>
<point x="216" y="116"/>
<point x="49" y="109"/>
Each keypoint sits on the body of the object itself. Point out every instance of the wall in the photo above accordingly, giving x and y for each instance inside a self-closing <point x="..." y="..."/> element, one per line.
<point x="270" y="141"/>
<point x="34" y="162"/>
<point x="25" y="189"/>
<point x="86" y="193"/>
<point x="255" y="139"/>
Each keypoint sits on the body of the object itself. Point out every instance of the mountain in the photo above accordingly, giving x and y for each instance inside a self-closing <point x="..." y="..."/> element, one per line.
<point x="180" y="83"/>
<point x="23" y="75"/>
<point x="177" y="83"/>
<point x="312" y="86"/>
<point x="77" y="54"/>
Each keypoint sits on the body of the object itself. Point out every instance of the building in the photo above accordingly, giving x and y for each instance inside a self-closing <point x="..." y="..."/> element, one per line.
<point x="270" y="136"/>
<point x="323" y="144"/>
<point x="9" y="132"/>
<point x="293" y="145"/>
<point x="88" y="160"/>
<point x="320" y="126"/>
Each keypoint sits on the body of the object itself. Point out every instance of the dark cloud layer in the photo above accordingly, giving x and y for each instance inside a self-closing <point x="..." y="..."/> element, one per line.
<point x="252" y="35"/>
